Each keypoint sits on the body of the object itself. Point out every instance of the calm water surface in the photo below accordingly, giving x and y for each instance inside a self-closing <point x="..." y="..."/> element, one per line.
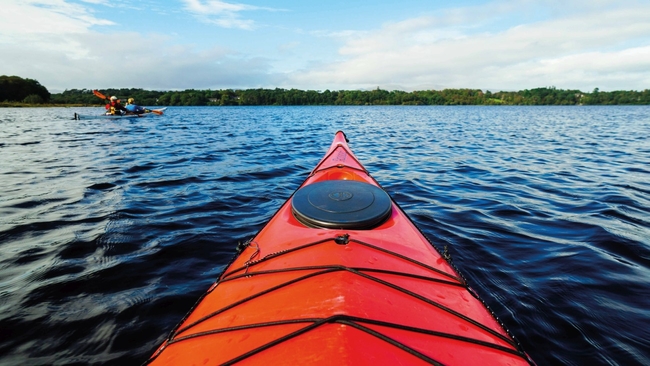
<point x="110" y="230"/>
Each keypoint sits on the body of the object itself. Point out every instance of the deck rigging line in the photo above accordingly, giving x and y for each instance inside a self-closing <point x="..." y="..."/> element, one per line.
<point x="355" y="322"/>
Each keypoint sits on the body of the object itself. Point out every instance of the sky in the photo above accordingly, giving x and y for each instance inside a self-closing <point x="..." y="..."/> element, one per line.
<point x="500" y="45"/>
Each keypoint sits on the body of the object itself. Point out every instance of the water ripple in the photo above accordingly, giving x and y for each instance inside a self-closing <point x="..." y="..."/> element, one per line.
<point x="110" y="230"/>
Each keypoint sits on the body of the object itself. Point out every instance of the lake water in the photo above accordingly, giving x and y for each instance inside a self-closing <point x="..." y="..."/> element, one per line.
<point x="111" y="230"/>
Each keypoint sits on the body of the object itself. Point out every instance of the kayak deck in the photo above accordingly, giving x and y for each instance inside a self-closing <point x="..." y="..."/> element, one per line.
<point x="297" y="294"/>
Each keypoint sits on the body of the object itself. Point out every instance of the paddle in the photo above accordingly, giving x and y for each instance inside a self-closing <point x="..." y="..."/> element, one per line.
<point x="99" y="95"/>
<point x="102" y="96"/>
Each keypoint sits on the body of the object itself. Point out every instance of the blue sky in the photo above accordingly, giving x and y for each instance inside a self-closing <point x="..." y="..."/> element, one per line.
<point x="352" y="44"/>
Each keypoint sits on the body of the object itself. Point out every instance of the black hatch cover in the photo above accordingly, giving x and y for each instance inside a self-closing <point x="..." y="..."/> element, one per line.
<point x="341" y="204"/>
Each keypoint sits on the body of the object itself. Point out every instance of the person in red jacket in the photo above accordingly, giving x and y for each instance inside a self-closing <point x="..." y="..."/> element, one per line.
<point x="115" y="107"/>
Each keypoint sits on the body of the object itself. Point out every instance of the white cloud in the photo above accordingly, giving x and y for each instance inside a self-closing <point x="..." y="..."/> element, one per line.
<point x="215" y="7"/>
<point x="502" y="45"/>
<point x="23" y="18"/>
<point x="161" y="68"/>
<point x="222" y="13"/>
<point x="45" y="25"/>
<point x="589" y="47"/>
<point x="95" y="1"/>
<point x="53" y="41"/>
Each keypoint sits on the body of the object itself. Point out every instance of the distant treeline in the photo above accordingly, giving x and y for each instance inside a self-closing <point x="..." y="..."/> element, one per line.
<point x="253" y="97"/>
<point x="28" y="91"/>
<point x="17" y="89"/>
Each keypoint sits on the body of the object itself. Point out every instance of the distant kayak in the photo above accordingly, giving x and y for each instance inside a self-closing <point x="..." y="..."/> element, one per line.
<point x="154" y="112"/>
<point x="340" y="275"/>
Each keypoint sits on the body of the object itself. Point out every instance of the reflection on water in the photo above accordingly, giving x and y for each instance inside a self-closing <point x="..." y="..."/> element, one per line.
<point x="110" y="230"/>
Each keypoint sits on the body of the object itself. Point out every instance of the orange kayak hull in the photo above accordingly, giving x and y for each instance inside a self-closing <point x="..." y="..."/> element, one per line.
<point x="340" y="275"/>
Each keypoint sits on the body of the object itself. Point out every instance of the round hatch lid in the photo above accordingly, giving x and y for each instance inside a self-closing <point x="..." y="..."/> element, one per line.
<point x="341" y="204"/>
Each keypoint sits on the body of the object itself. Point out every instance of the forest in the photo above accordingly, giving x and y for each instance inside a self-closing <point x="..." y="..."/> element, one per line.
<point x="257" y="97"/>
<point x="14" y="89"/>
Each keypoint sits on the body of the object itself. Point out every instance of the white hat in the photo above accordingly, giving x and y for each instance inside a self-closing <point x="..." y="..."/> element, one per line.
<point x="113" y="98"/>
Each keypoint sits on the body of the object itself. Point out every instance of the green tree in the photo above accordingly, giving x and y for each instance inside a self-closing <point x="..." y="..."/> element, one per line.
<point x="16" y="89"/>
<point x="175" y="99"/>
<point x="34" y="99"/>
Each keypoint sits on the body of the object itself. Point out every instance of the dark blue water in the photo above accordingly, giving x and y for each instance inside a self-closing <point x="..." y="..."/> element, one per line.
<point x="110" y="230"/>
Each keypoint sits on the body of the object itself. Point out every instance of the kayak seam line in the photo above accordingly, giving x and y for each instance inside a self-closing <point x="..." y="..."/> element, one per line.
<point x="349" y="153"/>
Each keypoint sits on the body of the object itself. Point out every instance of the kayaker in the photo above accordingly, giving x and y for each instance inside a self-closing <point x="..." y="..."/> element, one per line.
<point x="115" y="107"/>
<point x="133" y="108"/>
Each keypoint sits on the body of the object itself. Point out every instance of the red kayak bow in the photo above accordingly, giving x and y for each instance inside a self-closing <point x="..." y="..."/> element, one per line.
<point x="340" y="276"/>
